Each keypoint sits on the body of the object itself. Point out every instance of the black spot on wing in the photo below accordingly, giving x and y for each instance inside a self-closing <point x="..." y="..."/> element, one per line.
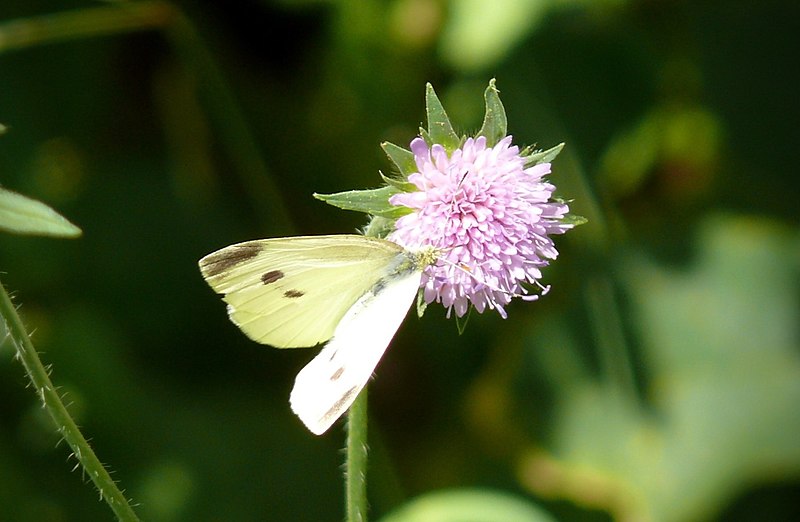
<point x="337" y="406"/>
<point x="338" y="373"/>
<point x="225" y="259"/>
<point x="293" y="294"/>
<point x="271" y="276"/>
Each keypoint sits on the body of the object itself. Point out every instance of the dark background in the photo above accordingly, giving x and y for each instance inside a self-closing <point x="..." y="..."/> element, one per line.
<point x="659" y="380"/>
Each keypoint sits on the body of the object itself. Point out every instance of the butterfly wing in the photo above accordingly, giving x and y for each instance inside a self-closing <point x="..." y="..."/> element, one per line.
<point x="327" y="386"/>
<point x="292" y="292"/>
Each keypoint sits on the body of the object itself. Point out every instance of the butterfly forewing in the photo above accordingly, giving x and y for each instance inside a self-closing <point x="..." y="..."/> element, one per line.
<point x="292" y="292"/>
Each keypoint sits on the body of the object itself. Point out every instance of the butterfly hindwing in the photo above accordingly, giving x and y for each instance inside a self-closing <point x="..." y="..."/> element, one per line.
<point x="327" y="386"/>
<point x="292" y="292"/>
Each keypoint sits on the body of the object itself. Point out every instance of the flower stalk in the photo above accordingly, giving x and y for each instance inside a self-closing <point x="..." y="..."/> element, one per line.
<point x="357" y="458"/>
<point x="357" y="448"/>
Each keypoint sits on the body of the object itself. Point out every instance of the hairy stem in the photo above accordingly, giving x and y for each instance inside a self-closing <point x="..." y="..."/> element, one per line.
<point x="55" y="407"/>
<point x="357" y="448"/>
<point x="357" y="455"/>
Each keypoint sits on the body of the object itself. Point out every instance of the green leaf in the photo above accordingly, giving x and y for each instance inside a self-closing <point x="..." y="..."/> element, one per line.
<point x="405" y="163"/>
<point x="421" y="304"/>
<point x="495" y="124"/>
<point x="478" y="35"/>
<point x="469" y="505"/>
<point x="371" y="201"/>
<point x="439" y="127"/>
<point x="721" y="416"/>
<point x="402" y="158"/>
<point x="545" y="156"/>
<point x="22" y="215"/>
<point x="3" y="129"/>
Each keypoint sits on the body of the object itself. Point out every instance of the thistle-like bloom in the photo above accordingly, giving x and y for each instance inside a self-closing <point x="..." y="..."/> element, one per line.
<point x="491" y="217"/>
<point x="481" y="203"/>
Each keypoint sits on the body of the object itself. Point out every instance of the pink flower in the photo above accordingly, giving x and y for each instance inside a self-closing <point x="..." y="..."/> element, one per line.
<point x="491" y="217"/>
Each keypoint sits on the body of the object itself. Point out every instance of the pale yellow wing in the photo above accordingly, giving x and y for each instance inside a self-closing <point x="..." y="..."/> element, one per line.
<point x="292" y="292"/>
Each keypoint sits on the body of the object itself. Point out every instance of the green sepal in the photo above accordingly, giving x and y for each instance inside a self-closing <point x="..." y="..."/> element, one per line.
<point x="541" y="156"/>
<point x="495" y="123"/>
<point x="379" y="227"/>
<point x="370" y="201"/>
<point x="570" y="219"/>
<point x="423" y="133"/>
<point x="440" y="130"/>
<point x="402" y="158"/>
<point x="22" y="215"/>
<point x="461" y="322"/>
<point x="421" y="304"/>
<point x="400" y="184"/>
<point x="574" y="220"/>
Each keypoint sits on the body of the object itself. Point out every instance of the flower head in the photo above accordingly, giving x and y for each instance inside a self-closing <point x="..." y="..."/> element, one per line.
<point x="481" y="203"/>
<point x="491" y="217"/>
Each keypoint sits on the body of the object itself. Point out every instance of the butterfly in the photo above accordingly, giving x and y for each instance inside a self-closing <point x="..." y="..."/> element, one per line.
<point x="348" y="291"/>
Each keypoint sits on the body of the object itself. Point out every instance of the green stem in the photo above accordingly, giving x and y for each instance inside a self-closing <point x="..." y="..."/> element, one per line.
<point x="607" y="327"/>
<point x="357" y="448"/>
<point x="83" y="23"/>
<point x="55" y="407"/>
<point x="230" y="122"/>
<point x="357" y="455"/>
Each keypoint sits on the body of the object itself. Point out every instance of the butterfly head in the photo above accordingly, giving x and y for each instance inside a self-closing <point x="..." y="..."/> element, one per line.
<point x="422" y="258"/>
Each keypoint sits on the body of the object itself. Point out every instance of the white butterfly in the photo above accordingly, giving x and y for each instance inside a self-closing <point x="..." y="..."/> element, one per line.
<point x="352" y="291"/>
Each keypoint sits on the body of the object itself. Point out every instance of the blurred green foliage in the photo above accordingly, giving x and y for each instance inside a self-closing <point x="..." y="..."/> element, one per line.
<point x="658" y="380"/>
<point x="26" y="216"/>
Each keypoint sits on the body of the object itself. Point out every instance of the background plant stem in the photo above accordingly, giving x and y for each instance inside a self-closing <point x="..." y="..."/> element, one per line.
<point x="58" y="412"/>
<point x="230" y="120"/>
